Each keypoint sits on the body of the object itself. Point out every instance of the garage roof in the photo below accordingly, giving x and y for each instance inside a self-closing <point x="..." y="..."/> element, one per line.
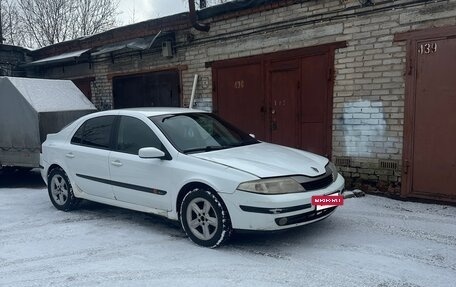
<point x="137" y="44"/>
<point x="62" y="58"/>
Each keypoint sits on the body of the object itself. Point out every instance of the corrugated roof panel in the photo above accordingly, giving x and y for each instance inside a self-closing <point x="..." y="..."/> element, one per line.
<point x="62" y="58"/>
<point x="138" y="44"/>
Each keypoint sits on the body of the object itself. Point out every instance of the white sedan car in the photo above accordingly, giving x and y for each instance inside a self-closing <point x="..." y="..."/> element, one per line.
<point x="186" y="165"/>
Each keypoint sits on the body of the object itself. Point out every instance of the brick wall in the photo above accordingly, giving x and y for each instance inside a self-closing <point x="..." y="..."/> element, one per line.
<point x="369" y="85"/>
<point x="369" y="89"/>
<point x="11" y="58"/>
<point x="368" y="110"/>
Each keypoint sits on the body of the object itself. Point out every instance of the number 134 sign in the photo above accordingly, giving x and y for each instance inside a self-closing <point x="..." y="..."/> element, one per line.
<point x="427" y="48"/>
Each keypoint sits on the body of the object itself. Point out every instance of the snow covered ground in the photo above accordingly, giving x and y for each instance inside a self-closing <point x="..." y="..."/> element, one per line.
<point x="371" y="241"/>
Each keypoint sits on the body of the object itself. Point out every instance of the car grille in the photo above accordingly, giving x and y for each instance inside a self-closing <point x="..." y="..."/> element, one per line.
<point x="320" y="183"/>
<point x="304" y="217"/>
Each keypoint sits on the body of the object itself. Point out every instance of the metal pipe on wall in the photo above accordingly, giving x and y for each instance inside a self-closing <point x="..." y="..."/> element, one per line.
<point x="192" y="97"/>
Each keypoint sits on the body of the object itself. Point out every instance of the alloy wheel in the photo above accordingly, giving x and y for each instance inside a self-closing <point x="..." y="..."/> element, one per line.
<point x="59" y="189"/>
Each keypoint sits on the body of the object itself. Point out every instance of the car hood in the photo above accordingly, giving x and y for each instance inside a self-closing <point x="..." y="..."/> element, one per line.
<point x="268" y="160"/>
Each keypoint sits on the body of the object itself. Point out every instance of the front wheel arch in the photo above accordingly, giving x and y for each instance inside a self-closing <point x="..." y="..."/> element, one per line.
<point x="186" y="189"/>
<point x="192" y="186"/>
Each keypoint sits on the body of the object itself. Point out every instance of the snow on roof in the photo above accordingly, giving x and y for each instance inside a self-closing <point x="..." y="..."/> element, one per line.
<point x="158" y="111"/>
<point x="60" y="58"/>
<point x="51" y="95"/>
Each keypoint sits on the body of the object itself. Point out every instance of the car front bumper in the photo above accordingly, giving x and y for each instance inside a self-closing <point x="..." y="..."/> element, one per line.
<point x="252" y="211"/>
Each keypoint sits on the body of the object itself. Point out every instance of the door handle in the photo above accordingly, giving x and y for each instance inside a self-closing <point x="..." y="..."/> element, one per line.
<point x="70" y="155"/>
<point x="116" y="163"/>
<point x="273" y="125"/>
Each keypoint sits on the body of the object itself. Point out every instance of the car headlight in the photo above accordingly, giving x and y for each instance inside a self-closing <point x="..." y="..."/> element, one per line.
<point x="272" y="186"/>
<point x="333" y="169"/>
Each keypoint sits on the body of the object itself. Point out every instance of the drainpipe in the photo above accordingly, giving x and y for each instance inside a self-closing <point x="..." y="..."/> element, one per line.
<point x="1" y="28"/>
<point x="192" y="98"/>
<point x="194" y="20"/>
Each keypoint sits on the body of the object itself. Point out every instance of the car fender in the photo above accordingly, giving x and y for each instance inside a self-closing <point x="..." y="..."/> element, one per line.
<point x="219" y="178"/>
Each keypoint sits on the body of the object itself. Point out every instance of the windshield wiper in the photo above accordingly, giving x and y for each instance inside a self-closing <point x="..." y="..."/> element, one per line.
<point x="206" y="148"/>
<point x="244" y="143"/>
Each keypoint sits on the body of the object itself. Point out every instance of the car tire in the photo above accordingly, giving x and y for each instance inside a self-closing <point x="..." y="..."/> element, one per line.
<point x="60" y="190"/>
<point x="205" y="219"/>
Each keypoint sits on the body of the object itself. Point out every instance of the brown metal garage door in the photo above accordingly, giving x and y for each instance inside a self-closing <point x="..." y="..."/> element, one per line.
<point x="430" y="140"/>
<point x="282" y="97"/>
<point x="157" y="89"/>
<point x="239" y="100"/>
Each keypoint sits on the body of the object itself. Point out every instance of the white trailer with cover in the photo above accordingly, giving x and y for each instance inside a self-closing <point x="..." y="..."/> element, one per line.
<point x="29" y="110"/>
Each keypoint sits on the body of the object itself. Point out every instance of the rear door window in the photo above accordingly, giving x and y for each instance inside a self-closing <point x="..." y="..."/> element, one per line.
<point x="95" y="132"/>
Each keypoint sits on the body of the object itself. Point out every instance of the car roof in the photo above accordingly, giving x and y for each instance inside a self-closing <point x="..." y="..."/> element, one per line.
<point x="149" y="112"/>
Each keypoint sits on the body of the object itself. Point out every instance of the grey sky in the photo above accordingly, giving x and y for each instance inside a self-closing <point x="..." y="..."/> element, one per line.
<point x="148" y="9"/>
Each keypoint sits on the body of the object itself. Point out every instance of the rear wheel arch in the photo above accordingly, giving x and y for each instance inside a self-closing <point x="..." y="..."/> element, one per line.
<point x="52" y="167"/>
<point x="60" y="190"/>
<point x="58" y="166"/>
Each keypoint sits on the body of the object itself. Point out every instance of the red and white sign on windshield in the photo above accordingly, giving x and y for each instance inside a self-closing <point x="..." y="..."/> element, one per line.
<point x="327" y="201"/>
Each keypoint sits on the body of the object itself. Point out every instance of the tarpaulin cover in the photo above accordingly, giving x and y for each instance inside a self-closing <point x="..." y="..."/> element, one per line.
<point x="32" y="108"/>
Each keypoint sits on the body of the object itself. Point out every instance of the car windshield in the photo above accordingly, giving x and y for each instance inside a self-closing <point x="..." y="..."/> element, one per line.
<point x="200" y="132"/>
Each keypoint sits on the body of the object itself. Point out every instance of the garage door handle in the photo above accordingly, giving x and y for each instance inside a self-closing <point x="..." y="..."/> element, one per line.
<point x="116" y="163"/>
<point x="69" y="155"/>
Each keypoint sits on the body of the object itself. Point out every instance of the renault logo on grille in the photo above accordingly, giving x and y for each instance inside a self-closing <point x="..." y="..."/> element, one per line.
<point x="314" y="168"/>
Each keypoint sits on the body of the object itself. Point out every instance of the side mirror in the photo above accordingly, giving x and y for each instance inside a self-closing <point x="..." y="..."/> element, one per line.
<point x="252" y="135"/>
<point x="150" y="152"/>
